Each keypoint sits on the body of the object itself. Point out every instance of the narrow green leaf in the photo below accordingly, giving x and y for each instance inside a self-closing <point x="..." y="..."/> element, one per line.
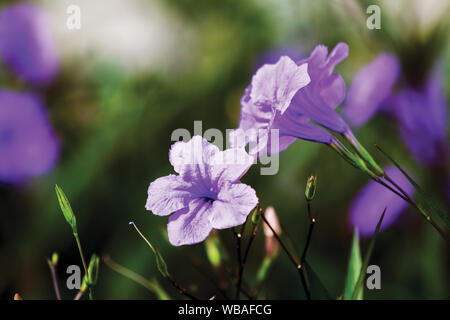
<point x="359" y="283"/>
<point x="66" y="208"/>
<point x="419" y="190"/>
<point x="160" y="263"/>
<point x="354" y="268"/>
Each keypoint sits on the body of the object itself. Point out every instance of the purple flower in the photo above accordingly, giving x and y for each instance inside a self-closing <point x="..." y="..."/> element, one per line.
<point x="371" y="86"/>
<point x="28" y="146"/>
<point x="206" y="194"/>
<point x="369" y="204"/>
<point x="26" y="43"/>
<point x="302" y="102"/>
<point x="265" y="101"/>
<point x="422" y="117"/>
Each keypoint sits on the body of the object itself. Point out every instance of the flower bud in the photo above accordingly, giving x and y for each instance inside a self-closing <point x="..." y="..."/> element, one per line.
<point x="17" y="297"/>
<point x="93" y="269"/>
<point x="55" y="258"/>
<point x="256" y="215"/>
<point x="66" y="208"/>
<point x="310" y="188"/>
<point x="272" y="245"/>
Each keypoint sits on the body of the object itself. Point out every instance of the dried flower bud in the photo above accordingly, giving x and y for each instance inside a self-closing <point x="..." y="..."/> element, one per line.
<point x="17" y="297"/>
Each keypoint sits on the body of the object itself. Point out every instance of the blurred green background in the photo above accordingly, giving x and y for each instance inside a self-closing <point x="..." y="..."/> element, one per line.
<point x="116" y="101"/>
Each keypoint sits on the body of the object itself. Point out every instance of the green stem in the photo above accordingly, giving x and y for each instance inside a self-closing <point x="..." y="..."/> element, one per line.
<point x="77" y="239"/>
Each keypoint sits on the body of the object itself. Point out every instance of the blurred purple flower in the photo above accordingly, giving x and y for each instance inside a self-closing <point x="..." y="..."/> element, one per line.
<point x="420" y="113"/>
<point x="371" y="86"/>
<point x="422" y="117"/>
<point x="26" y="43"/>
<point x="206" y="194"/>
<point x="302" y="102"/>
<point x="369" y="204"/>
<point x="28" y="146"/>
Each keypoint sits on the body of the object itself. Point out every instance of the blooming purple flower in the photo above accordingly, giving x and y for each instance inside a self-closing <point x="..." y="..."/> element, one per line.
<point x="422" y="117"/>
<point x="265" y="100"/>
<point x="303" y="102"/>
<point x="26" y="43"/>
<point x="371" y="86"/>
<point x="369" y="204"/>
<point x="28" y="146"/>
<point x="206" y="194"/>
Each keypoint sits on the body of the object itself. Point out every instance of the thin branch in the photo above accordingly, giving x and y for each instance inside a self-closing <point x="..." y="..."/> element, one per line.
<point x="239" y="256"/>
<point x="55" y="281"/>
<point x="312" y="223"/>
<point x="297" y="265"/>
<point x="130" y="274"/>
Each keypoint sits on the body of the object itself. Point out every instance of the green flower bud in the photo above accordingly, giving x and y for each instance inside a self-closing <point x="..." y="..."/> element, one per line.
<point x="256" y="215"/>
<point x="310" y="188"/>
<point x="93" y="269"/>
<point x="66" y="208"/>
<point x="55" y="258"/>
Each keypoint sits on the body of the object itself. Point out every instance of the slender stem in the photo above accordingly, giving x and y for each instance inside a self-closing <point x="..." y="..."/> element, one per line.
<point x="407" y="198"/>
<point x="177" y="286"/>
<point x="77" y="239"/>
<point x="290" y="239"/>
<point x="297" y="265"/>
<point x="79" y="295"/>
<point x="244" y="259"/>
<point x="55" y="281"/>
<point x="204" y="271"/>
<point x="239" y="256"/>
<point x="151" y="286"/>
<point x="181" y="289"/>
<point x="312" y="223"/>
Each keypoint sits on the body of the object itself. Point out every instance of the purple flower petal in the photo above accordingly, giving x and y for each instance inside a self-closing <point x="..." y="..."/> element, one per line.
<point x="371" y="86"/>
<point x="326" y="90"/>
<point x="369" y="204"/>
<point x="26" y="43"/>
<point x="28" y="146"/>
<point x="196" y="152"/>
<point x="233" y="204"/>
<point x="229" y="165"/>
<point x="264" y="111"/>
<point x="190" y="225"/>
<point x="422" y="117"/>
<point x="275" y="85"/>
<point x="168" y="194"/>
